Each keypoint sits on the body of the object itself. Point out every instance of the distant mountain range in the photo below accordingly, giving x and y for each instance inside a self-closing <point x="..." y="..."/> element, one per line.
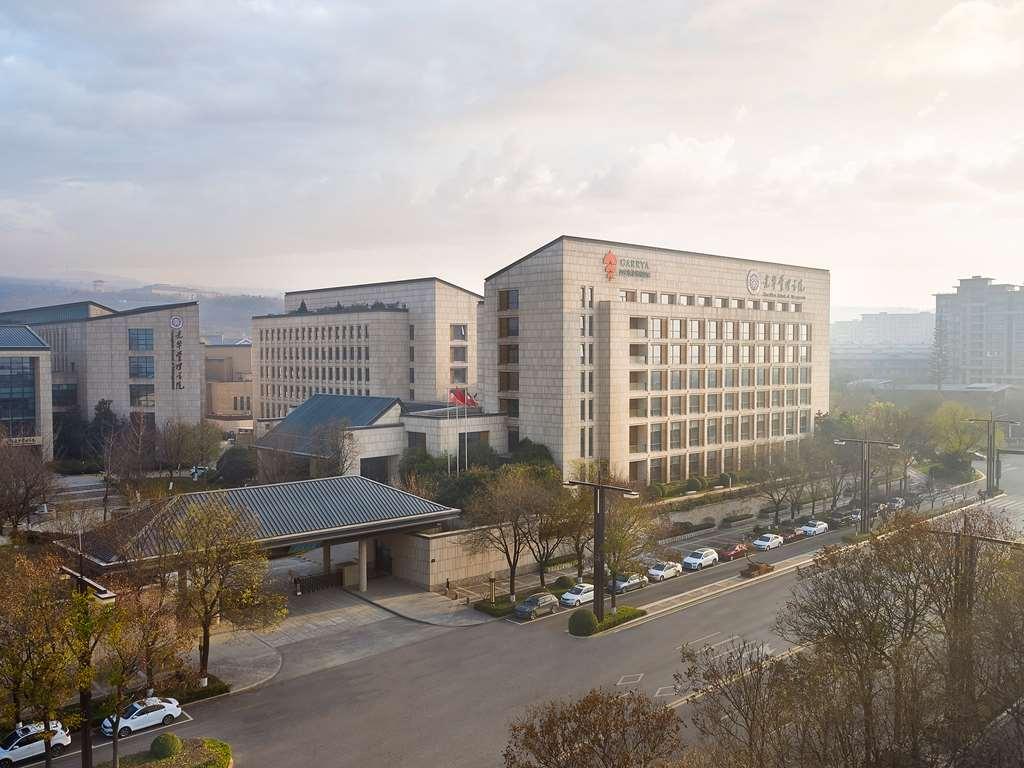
<point x="224" y="314"/>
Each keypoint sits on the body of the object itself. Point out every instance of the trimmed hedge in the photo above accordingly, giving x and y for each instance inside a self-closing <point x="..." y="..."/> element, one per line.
<point x="220" y="754"/>
<point x="185" y="694"/>
<point x="684" y="527"/>
<point x="622" y="614"/>
<point x="498" y="609"/>
<point x="563" y="582"/>
<point x="582" y="622"/>
<point x="165" y="745"/>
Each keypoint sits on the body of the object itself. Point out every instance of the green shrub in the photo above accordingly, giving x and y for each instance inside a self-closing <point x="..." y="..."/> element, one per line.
<point x="220" y="754"/>
<point x="499" y="608"/>
<point x="165" y="745"/>
<point x="726" y="523"/>
<point x="582" y="622"/>
<point x="622" y="614"/>
<point x="693" y="484"/>
<point x="564" y="582"/>
<point x="188" y="691"/>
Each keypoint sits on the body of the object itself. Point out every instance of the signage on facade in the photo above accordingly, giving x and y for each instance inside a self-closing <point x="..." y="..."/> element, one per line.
<point x="177" y="342"/>
<point x="36" y="440"/>
<point x="626" y="267"/>
<point x="775" y="286"/>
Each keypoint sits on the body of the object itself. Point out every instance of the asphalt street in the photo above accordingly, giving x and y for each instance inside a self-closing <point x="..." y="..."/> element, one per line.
<point x="446" y="696"/>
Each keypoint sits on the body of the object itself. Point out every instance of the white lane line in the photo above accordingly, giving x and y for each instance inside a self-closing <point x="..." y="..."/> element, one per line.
<point x="185" y="718"/>
<point x="666" y="690"/>
<point x="701" y="639"/>
<point x="630" y="679"/>
<point x="720" y="642"/>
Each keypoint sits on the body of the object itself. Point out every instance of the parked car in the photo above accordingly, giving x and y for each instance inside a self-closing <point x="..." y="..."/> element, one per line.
<point x="767" y="541"/>
<point x="627" y="583"/>
<point x="814" y="527"/>
<point x="699" y="558"/>
<point x="788" y="536"/>
<point x="731" y="553"/>
<point x="29" y="741"/>
<point x="664" y="569"/>
<point x="843" y="519"/>
<point x="536" y="605"/>
<point x="141" y="714"/>
<point x="577" y="595"/>
<point x="897" y="503"/>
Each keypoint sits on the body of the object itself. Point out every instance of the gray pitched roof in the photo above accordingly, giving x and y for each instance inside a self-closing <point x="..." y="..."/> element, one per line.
<point x="276" y="515"/>
<point x="303" y="430"/>
<point x="20" y="337"/>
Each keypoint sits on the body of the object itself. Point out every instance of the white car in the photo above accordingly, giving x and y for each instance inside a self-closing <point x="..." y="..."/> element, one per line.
<point x="577" y="595"/>
<point x="767" y="541"/>
<point x="28" y="741"/>
<point x="897" y="503"/>
<point x="814" y="527"/>
<point x="664" y="569"/>
<point x="623" y="583"/>
<point x="700" y="558"/>
<point x="143" y="713"/>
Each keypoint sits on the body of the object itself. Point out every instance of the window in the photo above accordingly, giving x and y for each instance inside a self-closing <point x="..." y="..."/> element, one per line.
<point x="508" y="381"/>
<point x="417" y="440"/>
<point x="140" y="339"/>
<point x="638" y="408"/>
<point x="412" y="354"/>
<point x="412" y="375"/>
<point x="412" y="333"/>
<point x="657" y="406"/>
<point x="658" y="380"/>
<point x="675" y="329"/>
<point x="65" y="395"/>
<point x="459" y="332"/>
<point x="657" y="437"/>
<point x="508" y="354"/>
<point x="507" y="326"/>
<point x="508" y="299"/>
<point x="140" y="368"/>
<point x="675" y="435"/>
<point x="457" y="376"/>
<point x="510" y="407"/>
<point x="458" y="354"/>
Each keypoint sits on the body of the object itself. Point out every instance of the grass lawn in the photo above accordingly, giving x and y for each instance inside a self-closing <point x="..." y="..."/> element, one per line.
<point x="195" y="753"/>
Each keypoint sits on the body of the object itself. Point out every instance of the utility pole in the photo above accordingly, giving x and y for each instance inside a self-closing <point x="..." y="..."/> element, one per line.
<point x="865" y="475"/>
<point x="599" y="514"/>
<point x="992" y="468"/>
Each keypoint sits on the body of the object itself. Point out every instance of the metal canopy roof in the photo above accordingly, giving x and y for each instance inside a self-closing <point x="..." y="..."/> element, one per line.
<point x="303" y="431"/>
<point x="330" y="508"/>
<point x="20" y="337"/>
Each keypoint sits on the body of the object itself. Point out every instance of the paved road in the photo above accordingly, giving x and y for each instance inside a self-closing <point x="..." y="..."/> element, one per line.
<point x="445" y="697"/>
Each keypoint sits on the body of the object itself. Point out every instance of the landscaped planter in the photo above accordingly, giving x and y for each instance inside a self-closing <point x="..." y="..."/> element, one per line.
<point x="753" y="570"/>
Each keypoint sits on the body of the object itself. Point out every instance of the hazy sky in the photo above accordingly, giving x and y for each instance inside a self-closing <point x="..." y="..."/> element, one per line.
<point x="282" y="145"/>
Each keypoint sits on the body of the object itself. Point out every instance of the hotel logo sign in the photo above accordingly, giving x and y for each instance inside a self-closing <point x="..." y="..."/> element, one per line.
<point x="625" y="267"/>
<point x="774" y="286"/>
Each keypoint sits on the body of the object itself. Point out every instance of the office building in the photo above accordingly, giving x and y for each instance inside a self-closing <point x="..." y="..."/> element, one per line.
<point x="228" y="381"/>
<point x="892" y="330"/>
<point x="665" y="364"/>
<point x="411" y="339"/>
<point x="981" y="328"/>
<point x="148" y="362"/>
<point x="25" y="417"/>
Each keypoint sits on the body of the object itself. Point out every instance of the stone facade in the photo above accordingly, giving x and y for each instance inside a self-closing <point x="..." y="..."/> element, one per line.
<point x="146" y="361"/>
<point x="981" y="328"/>
<point x="663" y="363"/>
<point x="441" y="330"/>
<point x="228" y="380"/>
<point x="42" y="439"/>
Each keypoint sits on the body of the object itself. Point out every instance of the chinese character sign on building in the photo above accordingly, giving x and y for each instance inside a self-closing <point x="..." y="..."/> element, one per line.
<point x="177" y="343"/>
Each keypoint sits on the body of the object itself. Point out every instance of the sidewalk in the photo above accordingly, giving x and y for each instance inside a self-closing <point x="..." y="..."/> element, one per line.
<point x="412" y="603"/>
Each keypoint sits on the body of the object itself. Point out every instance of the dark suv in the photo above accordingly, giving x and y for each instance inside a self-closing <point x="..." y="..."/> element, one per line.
<point x="536" y="605"/>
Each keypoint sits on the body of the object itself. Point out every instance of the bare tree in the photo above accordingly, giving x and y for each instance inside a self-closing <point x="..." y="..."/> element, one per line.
<point x="546" y="523"/>
<point x="602" y="729"/>
<point x="630" y="531"/>
<point x="498" y="515"/>
<point x="26" y="483"/>
<point x="337" y="450"/>
<point x="172" y="446"/>
<point x="203" y="445"/>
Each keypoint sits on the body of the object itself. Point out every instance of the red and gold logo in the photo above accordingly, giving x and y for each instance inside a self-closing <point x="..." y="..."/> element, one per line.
<point x="610" y="263"/>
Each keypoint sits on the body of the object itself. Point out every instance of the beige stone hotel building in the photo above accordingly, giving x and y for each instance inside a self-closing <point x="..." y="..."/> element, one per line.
<point x="667" y="364"/>
<point x="412" y="339"/>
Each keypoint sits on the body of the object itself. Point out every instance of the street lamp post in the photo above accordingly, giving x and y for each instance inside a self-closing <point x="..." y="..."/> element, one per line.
<point x="865" y="475"/>
<point x="992" y="467"/>
<point x="599" y="513"/>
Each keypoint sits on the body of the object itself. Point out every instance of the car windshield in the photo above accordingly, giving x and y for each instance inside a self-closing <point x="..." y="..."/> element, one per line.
<point x="766" y="537"/>
<point x="661" y="566"/>
<point x="577" y="590"/>
<point x="9" y="739"/>
<point x="696" y="554"/>
<point x="130" y="710"/>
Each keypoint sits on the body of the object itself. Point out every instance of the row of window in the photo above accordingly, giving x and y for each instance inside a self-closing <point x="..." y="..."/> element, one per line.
<point x="715" y="378"/>
<point x="316" y="372"/>
<point x="718" y="302"/>
<point x="318" y="333"/>
<point x="679" y="467"/>
<point x="351" y="375"/>
<point x="673" y="435"/>
<point x="701" y="329"/>
<point x="643" y="407"/>
<point x="272" y="354"/>
<point x="713" y="354"/>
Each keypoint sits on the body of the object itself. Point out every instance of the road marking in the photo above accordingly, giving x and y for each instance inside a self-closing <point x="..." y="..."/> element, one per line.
<point x="666" y="690"/>
<point x="701" y="639"/>
<point x="630" y="679"/>
<point x="184" y="718"/>
<point x="720" y="642"/>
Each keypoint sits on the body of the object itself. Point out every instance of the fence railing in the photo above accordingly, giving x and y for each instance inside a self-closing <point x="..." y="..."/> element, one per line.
<point x="317" y="582"/>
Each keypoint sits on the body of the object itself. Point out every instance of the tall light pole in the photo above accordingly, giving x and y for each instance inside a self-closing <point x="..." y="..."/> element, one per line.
<point x="991" y="455"/>
<point x="599" y="510"/>
<point x="865" y="475"/>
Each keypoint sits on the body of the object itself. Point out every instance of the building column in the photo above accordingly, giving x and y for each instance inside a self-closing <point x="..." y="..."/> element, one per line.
<point x="362" y="565"/>
<point x="326" y="548"/>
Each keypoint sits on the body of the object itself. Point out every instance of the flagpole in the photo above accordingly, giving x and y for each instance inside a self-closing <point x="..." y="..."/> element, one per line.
<point x="447" y="430"/>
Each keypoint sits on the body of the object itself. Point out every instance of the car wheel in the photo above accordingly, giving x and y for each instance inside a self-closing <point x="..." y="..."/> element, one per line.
<point x="700" y="566"/>
<point x="168" y="719"/>
<point x="5" y="763"/>
<point x="126" y="731"/>
<point x="56" y="750"/>
<point x="577" y="604"/>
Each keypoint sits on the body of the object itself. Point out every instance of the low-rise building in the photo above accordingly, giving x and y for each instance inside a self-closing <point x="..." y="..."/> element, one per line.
<point x="25" y="409"/>
<point x="148" y="362"/>
<point x="229" y="384"/>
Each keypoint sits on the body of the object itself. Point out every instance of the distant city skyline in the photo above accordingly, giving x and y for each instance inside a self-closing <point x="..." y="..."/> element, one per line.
<point x="278" y="146"/>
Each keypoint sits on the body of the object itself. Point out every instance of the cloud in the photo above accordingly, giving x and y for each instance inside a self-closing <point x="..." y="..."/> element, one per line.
<point x="25" y="216"/>
<point x="973" y="38"/>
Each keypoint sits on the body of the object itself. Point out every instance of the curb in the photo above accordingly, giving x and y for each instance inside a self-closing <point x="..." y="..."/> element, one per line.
<point x="425" y="622"/>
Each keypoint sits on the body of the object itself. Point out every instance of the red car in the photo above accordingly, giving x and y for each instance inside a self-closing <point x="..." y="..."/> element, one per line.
<point x="738" y="549"/>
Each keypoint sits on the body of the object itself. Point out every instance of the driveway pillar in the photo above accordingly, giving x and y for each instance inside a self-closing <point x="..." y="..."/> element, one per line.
<point x="362" y="565"/>
<point x="326" y="548"/>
